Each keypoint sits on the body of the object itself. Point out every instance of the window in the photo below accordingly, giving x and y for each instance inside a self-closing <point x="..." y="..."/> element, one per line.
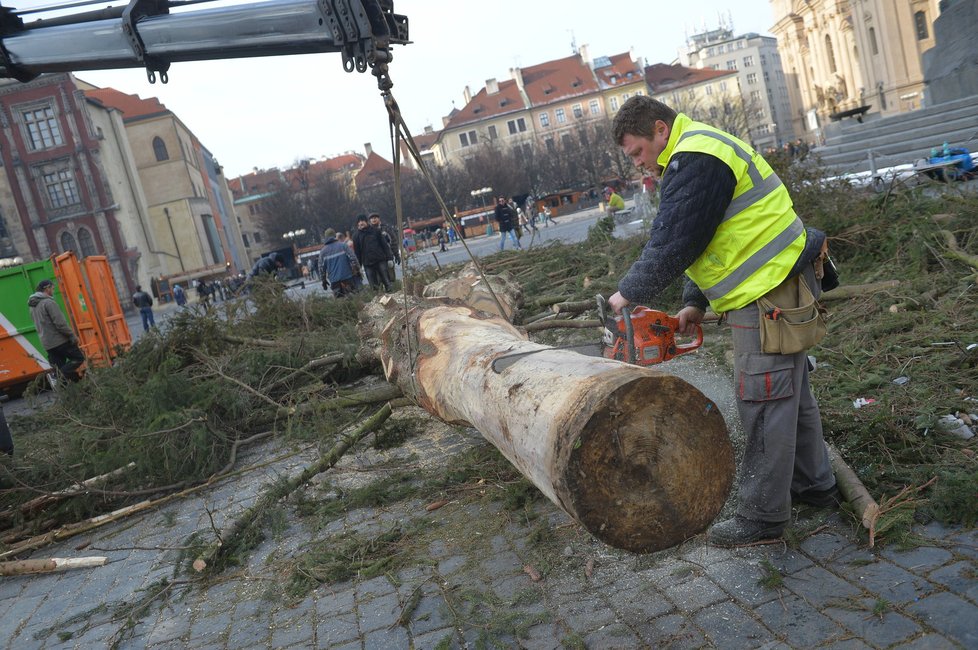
<point x="492" y="132"/>
<point x="752" y="78"/>
<point x="709" y="51"/>
<point x="594" y="107"/>
<point x="614" y="103"/>
<point x="244" y="238"/>
<point x="467" y="139"/>
<point x="709" y="90"/>
<point x="544" y="119"/>
<point x="516" y="126"/>
<point x="755" y="95"/>
<point x="732" y="64"/>
<point x="159" y="148"/>
<point x="920" y="24"/>
<point x="550" y="145"/>
<point x="43" y="130"/>
<point x="559" y="114"/>
<point x="638" y="93"/>
<point x="723" y="86"/>
<point x="830" y="54"/>
<point x="713" y="112"/>
<point x="715" y="66"/>
<point x="625" y="97"/>
<point x="86" y="243"/>
<point x="748" y="61"/>
<point x="257" y="237"/>
<point x="68" y="242"/>
<point x="578" y="110"/>
<point x="872" y="40"/>
<point x="4" y="234"/>
<point x="61" y="189"/>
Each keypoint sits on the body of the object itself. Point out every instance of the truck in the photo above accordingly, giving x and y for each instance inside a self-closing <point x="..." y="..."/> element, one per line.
<point x="84" y="290"/>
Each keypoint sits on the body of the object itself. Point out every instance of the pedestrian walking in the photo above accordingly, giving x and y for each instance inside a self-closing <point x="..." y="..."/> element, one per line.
<point x="144" y="303"/>
<point x="56" y="335"/>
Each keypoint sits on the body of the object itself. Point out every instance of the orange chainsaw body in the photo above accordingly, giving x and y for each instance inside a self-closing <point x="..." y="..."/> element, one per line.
<point x="653" y="334"/>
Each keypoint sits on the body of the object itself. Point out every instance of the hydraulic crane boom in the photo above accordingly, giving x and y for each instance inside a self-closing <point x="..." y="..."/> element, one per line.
<point x="145" y="34"/>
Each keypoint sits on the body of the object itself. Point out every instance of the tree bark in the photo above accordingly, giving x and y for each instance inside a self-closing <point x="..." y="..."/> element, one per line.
<point x="638" y="457"/>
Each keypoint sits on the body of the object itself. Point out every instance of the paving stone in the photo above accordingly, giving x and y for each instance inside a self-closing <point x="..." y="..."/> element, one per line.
<point x="820" y="587"/>
<point x="847" y="644"/>
<point x="641" y="603"/>
<point x="611" y="637"/>
<point x="297" y="631"/>
<point x="586" y="614"/>
<point x="541" y="637"/>
<point x="168" y="628"/>
<point x="786" y="561"/>
<point x="799" y="622"/>
<point x="892" y="627"/>
<point x="927" y="642"/>
<point x="825" y="546"/>
<point x="509" y="588"/>
<point x="430" y="614"/>
<point x="436" y="639"/>
<point x="452" y="564"/>
<point x="332" y="602"/>
<point x="386" y="638"/>
<point x="378" y="612"/>
<point x="22" y="610"/>
<point x="740" y="580"/>
<point x="379" y="586"/>
<point x="730" y="625"/>
<point x="336" y="628"/>
<point x="695" y="595"/>
<point x="950" y="615"/>
<point x="502" y="564"/>
<point x="919" y="560"/>
<point x="249" y="632"/>
<point x="891" y="582"/>
<point x="670" y="631"/>
<point x="959" y="577"/>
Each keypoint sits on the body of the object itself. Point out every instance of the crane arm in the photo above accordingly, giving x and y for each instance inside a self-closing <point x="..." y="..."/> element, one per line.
<point x="145" y="34"/>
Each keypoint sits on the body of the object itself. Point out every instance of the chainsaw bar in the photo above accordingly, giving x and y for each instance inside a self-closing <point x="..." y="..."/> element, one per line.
<point x="500" y="364"/>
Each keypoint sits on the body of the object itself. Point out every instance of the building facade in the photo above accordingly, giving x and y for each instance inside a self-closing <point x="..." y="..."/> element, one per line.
<point x="761" y="78"/>
<point x="847" y="59"/>
<point x="55" y="195"/>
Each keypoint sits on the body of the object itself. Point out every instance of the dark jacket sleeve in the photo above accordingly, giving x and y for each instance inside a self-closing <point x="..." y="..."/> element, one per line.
<point x="695" y="192"/>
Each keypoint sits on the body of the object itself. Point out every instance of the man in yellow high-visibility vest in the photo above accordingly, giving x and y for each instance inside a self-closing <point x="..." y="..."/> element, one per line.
<point x="726" y="220"/>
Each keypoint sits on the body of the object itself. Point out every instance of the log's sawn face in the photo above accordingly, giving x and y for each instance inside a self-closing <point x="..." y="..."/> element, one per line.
<point x="652" y="466"/>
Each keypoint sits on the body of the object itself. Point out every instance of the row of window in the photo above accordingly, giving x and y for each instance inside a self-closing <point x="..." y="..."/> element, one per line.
<point x="729" y="47"/>
<point x="518" y="125"/>
<point x="83" y="246"/>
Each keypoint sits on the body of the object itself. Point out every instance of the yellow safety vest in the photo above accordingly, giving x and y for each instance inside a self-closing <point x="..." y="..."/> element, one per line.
<point x="760" y="237"/>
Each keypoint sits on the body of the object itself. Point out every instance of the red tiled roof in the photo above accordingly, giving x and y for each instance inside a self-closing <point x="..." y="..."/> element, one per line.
<point x="266" y="180"/>
<point x="131" y="106"/>
<point x="484" y="105"/>
<point x="339" y="163"/>
<point x="375" y="170"/>
<point x="558" y="80"/>
<point x="663" y="77"/>
<point x="617" y="74"/>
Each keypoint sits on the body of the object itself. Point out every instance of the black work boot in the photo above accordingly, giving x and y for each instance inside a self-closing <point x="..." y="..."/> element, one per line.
<point x="739" y="531"/>
<point x="830" y="498"/>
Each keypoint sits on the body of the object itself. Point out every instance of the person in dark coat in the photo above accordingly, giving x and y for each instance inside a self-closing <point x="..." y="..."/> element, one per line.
<point x="339" y="266"/>
<point x="507" y="220"/>
<point x="373" y="252"/>
<point x="56" y="335"/>
<point x="270" y="264"/>
<point x="144" y="303"/>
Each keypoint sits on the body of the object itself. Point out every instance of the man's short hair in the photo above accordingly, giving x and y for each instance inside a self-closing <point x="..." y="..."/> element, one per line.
<point x="638" y="115"/>
<point x="44" y="284"/>
<point x="372" y="215"/>
<point x="329" y="233"/>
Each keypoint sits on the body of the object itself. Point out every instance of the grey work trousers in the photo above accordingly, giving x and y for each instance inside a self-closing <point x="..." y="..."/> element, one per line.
<point x="785" y="449"/>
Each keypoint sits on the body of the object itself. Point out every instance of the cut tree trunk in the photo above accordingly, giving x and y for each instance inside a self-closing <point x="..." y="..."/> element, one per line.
<point x="638" y="457"/>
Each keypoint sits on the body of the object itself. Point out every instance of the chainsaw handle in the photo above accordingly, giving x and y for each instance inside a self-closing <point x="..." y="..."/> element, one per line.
<point x="689" y="347"/>
<point x="626" y="315"/>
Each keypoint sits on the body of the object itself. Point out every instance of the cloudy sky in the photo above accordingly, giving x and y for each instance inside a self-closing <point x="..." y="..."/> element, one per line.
<point x="273" y="111"/>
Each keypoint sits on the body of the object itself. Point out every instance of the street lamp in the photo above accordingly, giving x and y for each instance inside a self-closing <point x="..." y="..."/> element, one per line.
<point x="292" y="235"/>
<point x="482" y="193"/>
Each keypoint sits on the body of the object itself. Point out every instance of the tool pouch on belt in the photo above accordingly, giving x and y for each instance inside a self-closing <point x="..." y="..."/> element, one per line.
<point x="791" y="318"/>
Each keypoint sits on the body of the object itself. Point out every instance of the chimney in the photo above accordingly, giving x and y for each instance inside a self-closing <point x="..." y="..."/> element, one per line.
<point x="585" y="55"/>
<point x="517" y="75"/>
<point x="492" y="87"/>
<point x="467" y="94"/>
<point x="368" y="148"/>
<point x="428" y="129"/>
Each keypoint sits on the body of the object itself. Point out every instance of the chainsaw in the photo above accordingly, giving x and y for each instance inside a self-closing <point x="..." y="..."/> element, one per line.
<point x="639" y="335"/>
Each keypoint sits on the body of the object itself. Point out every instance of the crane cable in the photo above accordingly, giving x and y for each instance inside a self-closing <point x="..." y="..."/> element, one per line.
<point x="403" y="134"/>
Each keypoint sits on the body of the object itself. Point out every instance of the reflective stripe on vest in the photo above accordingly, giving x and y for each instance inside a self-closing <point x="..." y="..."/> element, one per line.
<point x="759" y="238"/>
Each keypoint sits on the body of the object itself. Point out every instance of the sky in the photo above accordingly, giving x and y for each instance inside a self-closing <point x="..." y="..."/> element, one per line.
<point x="272" y="112"/>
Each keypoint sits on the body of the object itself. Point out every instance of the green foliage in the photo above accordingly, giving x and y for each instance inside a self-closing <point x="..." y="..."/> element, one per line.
<point x="179" y="399"/>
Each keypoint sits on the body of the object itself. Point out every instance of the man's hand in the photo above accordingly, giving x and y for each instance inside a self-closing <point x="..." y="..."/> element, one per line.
<point x="689" y="318"/>
<point x="617" y="301"/>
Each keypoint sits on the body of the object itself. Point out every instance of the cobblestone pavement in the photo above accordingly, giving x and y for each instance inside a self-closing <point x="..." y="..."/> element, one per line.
<point x="464" y="575"/>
